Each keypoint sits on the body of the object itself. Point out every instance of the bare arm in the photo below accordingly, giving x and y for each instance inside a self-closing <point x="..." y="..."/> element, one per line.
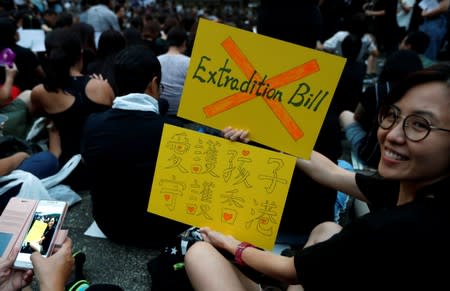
<point x="100" y="91"/>
<point x="327" y="173"/>
<point x="9" y="164"/>
<point x="5" y="90"/>
<point x="442" y="8"/>
<point x="268" y="263"/>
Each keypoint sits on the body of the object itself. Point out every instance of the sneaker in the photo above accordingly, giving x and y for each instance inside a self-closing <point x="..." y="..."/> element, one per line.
<point x="78" y="281"/>
<point x="80" y="285"/>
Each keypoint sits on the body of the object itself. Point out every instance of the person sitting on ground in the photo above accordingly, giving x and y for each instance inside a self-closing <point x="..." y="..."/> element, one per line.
<point x="67" y="97"/>
<point x="42" y="164"/>
<point x="30" y="72"/>
<point x="174" y="66"/>
<point x="52" y="273"/>
<point x="418" y="42"/>
<point x="15" y="105"/>
<point x="403" y="241"/>
<point x="120" y="148"/>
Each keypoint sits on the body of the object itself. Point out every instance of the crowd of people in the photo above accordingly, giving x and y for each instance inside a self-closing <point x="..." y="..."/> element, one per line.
<point x="112" y="75"/>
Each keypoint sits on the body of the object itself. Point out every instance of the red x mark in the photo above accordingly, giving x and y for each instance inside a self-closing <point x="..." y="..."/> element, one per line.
<point x="278" y="81"/>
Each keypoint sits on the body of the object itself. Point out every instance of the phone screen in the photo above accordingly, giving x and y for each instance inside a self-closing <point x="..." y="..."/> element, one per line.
<point x="42" y="231"/>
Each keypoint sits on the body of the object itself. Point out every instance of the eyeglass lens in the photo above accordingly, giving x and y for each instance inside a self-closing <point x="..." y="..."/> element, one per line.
<point x="415" y="127"/>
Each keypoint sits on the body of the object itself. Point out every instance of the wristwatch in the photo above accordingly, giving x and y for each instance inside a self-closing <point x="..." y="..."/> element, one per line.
<point x="238" y="254"/>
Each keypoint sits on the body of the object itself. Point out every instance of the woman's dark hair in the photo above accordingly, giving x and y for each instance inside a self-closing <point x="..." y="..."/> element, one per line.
<point x="110" y="42"/>
<point x="134" y="68"/>
<point x="63" y="48"/>
<point x="86" y="33"/>
<point x="435" y="73"/>
<point x="8" y="30"/>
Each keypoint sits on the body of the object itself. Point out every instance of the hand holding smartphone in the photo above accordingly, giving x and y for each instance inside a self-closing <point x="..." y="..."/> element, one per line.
<point x="44" y="226"/>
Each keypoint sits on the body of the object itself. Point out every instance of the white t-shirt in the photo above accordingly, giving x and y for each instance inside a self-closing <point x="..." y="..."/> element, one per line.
<point x="404" y="18"/>
<point x="173" y="69"/>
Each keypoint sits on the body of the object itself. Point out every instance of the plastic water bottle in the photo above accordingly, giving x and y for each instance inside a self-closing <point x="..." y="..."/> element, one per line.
<point x="7" y="57"/>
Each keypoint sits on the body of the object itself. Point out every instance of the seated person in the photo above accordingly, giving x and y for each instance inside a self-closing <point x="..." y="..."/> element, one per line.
<point x="120" y="148"/>
<point x="402" y="243"/>
<point x="14" y="104"/>
<point x="417" y="41"/>
<point x="42" y="164"/>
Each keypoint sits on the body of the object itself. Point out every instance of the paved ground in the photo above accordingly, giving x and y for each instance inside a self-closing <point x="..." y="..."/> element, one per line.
<point x="106" y="261"/>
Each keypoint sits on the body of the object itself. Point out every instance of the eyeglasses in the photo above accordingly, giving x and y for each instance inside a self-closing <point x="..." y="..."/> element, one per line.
<point x="161" y="88"/>
<point x="415" y="127"/>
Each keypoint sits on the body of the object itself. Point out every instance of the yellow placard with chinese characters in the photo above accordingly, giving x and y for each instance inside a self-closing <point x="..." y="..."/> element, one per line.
<point x="279" y="91"/>
<point x="204" y="180"/>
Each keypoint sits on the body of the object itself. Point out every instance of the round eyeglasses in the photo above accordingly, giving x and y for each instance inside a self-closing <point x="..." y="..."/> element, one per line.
<point x="415" y="127"/>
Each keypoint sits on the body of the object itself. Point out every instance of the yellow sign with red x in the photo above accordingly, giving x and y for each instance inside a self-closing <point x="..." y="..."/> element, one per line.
<point x="278" y="91"/>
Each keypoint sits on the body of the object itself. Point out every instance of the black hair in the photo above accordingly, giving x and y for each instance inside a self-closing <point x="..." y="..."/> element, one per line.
<point x="435" y="73"/>
<point x="110" y="42"/>
<point x="176" y="36"/>
<point x="134" y="68"/>
<point x="64" y="19"/>
<point x="63" y="49"/>
<point x="358" y="24"/>
<point x="399" y="64"/>
<point x="350" y="46"/>
<point x="418" y="40"/>
<point x="8" y="30"/>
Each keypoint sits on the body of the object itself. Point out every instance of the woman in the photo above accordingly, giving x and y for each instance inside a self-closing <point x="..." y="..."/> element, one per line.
<point x="67" y="96"/>
<point x="44" y="242"/>
<point x="400" y="245"/>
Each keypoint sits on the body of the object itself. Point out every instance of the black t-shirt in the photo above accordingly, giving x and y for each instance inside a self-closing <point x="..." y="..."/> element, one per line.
<point x="120" y="149"/>
<point x="395" y="248"/>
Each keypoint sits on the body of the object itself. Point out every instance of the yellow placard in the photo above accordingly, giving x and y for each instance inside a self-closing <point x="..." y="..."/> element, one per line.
<point x="232" y="187"/>
<point x="36" y="231"/>
<point x="279" y="91"/>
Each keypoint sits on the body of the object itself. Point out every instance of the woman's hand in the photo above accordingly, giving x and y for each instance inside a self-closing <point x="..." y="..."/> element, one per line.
<point x="13" y="279"/>
<point x="54" y="271"/>
<point x="236" y="134"/>
<point x="12" y="71"/>
<point x="219" y="240"/>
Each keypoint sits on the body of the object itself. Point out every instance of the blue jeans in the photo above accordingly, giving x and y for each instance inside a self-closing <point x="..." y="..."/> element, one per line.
<point x="436" y="29"/>
<point x="355" y="134"/>
<point x="42" y="164"/>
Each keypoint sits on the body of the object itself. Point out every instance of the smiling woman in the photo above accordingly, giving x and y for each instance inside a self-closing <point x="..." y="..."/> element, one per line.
<point x="404" y="238"/>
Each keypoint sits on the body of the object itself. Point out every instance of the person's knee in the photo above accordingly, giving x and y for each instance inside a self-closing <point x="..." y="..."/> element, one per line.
<point x="196" y="251"/>
<point x="323" y="232"/>
<point x="346" y="118"/>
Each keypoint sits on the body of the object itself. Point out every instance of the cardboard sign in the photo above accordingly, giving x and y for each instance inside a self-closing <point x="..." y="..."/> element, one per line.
<point x="34" y="39"/>
<point x="232" y="187"/>
<point x="279" y="91"/>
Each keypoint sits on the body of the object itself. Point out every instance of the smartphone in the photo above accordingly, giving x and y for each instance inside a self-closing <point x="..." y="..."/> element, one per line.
<point x="44" y="226"/>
